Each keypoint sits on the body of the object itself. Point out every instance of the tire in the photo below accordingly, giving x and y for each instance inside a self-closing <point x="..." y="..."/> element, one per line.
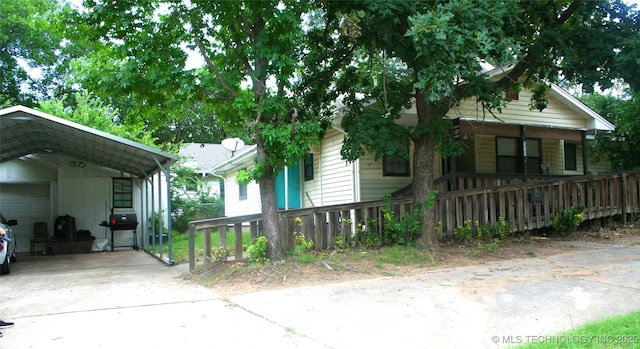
<point x="5" y="267"/>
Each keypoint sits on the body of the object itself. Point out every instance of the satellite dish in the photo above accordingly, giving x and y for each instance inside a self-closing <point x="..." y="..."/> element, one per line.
<point x="232" y="144"/>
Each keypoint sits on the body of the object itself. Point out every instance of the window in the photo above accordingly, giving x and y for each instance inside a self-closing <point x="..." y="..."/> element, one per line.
<point x="512" y="96"/>
<point x="570" y="157"/>
<point x="509" y="155"/>
<point x="534" y="156"/>
<point x="308" y="167"/>
<point x="191" y="183"/>
<point x="395" y="166"/>
<point x="122" y="193"/>
<point x="242" y="192"/>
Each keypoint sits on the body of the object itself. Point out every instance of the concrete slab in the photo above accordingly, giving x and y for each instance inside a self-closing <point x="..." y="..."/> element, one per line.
<point x="130" y="299"/>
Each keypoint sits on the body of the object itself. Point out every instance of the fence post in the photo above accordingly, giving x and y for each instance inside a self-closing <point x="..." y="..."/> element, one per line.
<point x="346" y="227"/>
<point x="192" y="247"/>
<point x="237" y="229"/>
<point x="318" y="231"/>
<point x="206" y="242"/>
<point x="222" y="239"/>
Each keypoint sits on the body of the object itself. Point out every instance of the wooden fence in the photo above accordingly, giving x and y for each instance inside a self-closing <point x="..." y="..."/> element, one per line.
<point x="525" y="206"/>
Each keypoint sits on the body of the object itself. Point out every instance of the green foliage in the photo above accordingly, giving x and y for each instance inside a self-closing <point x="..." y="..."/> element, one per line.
<point x="622" y="145"/>
<point x="491" y="246"/>
<point x="405" y="229"/>
<point x="339" y="241"/>
<point x="29" y="43"/>
<point x="220" y="254"/>
<point x="258" y="251"/>
<point x="193" y="205"/>
<point x="302" y="245"/>
<point x="503" y="228"/>
<point x="464" y="232"/>
<point x="90" y="110"/>
<point x="483" y="235"/>
<point x="366" y="236"/>
<point x="566" y="222"/>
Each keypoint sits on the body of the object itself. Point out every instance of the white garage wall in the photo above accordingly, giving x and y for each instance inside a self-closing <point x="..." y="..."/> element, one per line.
<point x="26" y="203"/>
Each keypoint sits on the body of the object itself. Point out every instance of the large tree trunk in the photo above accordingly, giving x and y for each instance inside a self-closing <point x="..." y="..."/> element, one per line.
<point x="424" y="151"/>
<point x="270" y="221"/>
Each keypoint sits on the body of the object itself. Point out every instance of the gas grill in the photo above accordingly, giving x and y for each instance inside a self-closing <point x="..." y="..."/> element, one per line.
<point x="122" y="221"/>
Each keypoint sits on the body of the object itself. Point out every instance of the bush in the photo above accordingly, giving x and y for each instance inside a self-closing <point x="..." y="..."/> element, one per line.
<point x="258" y="251"/>
<point x="566" y="222"/>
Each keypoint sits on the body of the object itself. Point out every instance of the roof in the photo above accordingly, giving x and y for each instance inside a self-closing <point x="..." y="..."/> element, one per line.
<point x="25" y="131"/>
<point x="206" y="156"/>
<point x="246" y="157"/>
<point x="594" y="120"/>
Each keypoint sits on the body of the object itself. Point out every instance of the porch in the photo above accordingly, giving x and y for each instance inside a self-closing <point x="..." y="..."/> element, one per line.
<point x="483" y="198"/>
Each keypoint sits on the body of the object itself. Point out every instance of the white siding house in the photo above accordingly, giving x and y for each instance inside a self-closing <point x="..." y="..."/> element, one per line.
<point x="555" y="139"/>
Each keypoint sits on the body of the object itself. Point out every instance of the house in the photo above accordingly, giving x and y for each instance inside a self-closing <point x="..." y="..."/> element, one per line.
<point x="51" y="167"/>
<point x="202" y="158"/>
<point x="518" y="142"/>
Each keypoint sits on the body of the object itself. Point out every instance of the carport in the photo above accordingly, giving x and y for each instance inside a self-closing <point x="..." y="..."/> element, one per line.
<point x="71" y="153"/>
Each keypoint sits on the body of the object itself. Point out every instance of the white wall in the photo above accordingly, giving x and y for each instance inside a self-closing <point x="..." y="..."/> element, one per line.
<point x="334" y="179"/>
<point x="233" y="205"/>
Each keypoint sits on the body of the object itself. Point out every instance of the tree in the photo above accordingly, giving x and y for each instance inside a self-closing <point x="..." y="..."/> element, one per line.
<point x="90" y="111"/>
<point x="431" y="53"/>
<point x="30" y="52"/>
<point x="622" y="146"/>
<point x="252" y="52"/>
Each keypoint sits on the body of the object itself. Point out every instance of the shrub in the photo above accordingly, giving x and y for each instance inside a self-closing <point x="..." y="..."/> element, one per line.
<point x="258" y="251"/>
<point x="566" y="222"/>
<point x="464" y="232"/>
<point x="503" y="228"/>
<point x="302" y="245"/>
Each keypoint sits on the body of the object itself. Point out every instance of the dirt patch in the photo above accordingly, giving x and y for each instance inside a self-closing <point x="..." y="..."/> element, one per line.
<point x="232" y="278"/>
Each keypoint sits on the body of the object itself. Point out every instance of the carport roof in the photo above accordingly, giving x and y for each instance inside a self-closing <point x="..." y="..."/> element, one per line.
<point x="25" y="131"/>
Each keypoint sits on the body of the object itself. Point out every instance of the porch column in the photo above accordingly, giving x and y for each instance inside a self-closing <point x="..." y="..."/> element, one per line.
<point x="452" y="159"/>
<point x="523" y="149"/>
<point x="585" y="165"/>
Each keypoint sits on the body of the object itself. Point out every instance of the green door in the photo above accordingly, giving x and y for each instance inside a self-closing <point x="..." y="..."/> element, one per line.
<point x="288" y="188"/>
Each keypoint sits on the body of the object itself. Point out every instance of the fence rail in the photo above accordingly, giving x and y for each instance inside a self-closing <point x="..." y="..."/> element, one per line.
<point x="525" y="206"/>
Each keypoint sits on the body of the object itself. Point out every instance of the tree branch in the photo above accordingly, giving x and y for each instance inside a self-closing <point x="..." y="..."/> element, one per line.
<point x="213" y="68"/>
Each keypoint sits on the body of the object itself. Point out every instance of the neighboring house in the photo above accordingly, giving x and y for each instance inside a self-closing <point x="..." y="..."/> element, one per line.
<point x="555" y="143"/>
<point x="52" y="167"/>
<point x="202" y="157"/>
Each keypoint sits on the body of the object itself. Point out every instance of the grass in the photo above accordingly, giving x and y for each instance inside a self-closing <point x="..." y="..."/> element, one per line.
<point x="612" y="332"/>
<point x="181" y="245"/>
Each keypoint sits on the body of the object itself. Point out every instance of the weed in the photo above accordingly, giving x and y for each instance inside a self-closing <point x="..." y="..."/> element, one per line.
<point x="220" y="254"/>
<point x="490" y="246"/>
<point x="306" y="258"/>
<point x="464" y="232"/>
<point x="484" y="231"/>
<point x="503" y="228"/>
<point x="258" y="251"/>
<point x="302" y="244"/>
<point x="339" y="241"/>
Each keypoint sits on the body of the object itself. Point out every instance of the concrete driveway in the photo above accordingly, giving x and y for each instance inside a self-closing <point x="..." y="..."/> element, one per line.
<point x="129" y="299"/>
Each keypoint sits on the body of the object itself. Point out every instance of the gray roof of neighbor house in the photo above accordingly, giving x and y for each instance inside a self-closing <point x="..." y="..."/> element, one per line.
<point x="28" y="132"/>
<point x="207" y="156"/>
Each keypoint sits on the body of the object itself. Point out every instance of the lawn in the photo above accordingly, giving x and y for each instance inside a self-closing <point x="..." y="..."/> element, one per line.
<point x="612" y="332"/>
<point x="181" y="245"/>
